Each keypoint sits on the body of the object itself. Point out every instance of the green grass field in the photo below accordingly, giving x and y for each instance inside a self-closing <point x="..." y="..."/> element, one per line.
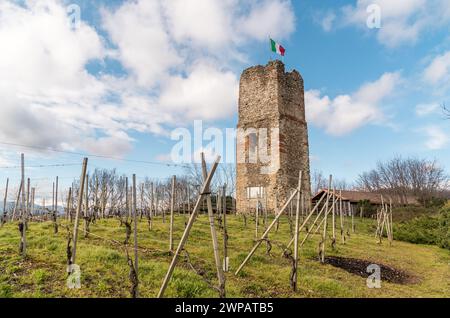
<point x="105" y="272"/>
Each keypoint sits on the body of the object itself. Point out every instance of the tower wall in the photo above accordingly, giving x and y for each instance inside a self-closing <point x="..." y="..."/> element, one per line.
<point x="270" y="98"/>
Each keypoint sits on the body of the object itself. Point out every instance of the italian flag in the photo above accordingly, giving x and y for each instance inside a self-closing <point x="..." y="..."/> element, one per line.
<point x="277" y="48"/>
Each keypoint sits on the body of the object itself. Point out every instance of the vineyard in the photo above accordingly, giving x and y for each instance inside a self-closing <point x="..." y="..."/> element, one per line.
<point x="109" y="243"/>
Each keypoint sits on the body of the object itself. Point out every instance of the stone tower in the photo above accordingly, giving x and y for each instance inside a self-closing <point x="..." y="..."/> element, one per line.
<point x="271" y="108"/>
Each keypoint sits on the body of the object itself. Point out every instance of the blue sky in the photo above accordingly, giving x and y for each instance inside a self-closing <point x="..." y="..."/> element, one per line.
<point x="130" y="72"/>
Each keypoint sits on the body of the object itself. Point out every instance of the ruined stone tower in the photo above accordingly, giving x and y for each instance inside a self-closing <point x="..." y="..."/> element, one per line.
<point x="271" y="103"/>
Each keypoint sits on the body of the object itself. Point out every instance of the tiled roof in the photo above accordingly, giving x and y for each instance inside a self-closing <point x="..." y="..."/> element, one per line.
<point x="356" y="196"/>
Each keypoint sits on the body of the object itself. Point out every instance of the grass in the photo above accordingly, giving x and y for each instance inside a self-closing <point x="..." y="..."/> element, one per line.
<point x="104" y="271"/>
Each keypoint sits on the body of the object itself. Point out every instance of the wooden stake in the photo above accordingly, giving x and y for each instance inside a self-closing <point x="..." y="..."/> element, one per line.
<point x="16" y="205"/>
<point x="307" y="219"/>
<point x="77" y="215"/>
<point x="324" y="235"/>
<point x="86" y="212"/>
<point x="341" y="215"/>
<point x="256" y="219"/>
<point x="23" y="239"/>
<point x="352" y="211"/>
<point x="151" y="205"/>
<point x="172" y="203"/>
<point x="127" y="205"/>
<point x="55" y="208"/>
<point x="333" y="217"/>
<point x="225" y="231"/>
<point x="187" y="230"/>
<point x="5" y="213"/>
<point x="311" y="229"/>
<point x="390" y="217"/>
<point x="136" y="267"/>
<point x="258" y="243"/>
<point x="27" y="209"/>
<point x="297" y="221"/>
<point x="69" y="214"/>
<point x="215" y="243"/>
<point x="189" y="198"/>
<point x="33" y="191"/>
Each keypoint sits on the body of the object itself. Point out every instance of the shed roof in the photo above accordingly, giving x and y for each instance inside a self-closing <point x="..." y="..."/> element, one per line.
<point x="357" y="196"/>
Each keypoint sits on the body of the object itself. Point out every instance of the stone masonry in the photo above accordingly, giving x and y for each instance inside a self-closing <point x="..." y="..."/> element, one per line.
<point x="273" y="99"/>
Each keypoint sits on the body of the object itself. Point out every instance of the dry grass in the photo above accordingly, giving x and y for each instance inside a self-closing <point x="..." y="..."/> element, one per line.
<point x="105" y="272"/>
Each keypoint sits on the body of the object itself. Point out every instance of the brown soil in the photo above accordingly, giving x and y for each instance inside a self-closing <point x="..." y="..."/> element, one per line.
<point x="359" y="267"/>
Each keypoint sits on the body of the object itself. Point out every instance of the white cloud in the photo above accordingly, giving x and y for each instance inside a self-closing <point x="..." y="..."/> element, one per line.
<point x="144" y="47"/>
<point x="436" y="138"/>
<point x="327" y="21"/>
<point x="402" y="21"/>
<point x="207" y="23"/>
<point x="169" y="50"/>
<point x="269" y="18"/>
<point x="426" y="109"/>
<point x="205" y="93"/>
<point x="439" y="69"/>
<point x="345" y="113"/>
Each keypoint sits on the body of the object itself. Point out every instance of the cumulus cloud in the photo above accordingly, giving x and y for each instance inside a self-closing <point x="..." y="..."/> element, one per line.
<point x="327" y="21"/>
<point x="205" y="93"/>
<point x="207" y="23"/>
<point x="171" y="53"/>
<point x="345" y="113"/>
<point x="439" y="69"/>
<point x="402" y="21"/>
<point x="144" y="48"/>
<point x="436" y="138"/>
<point x="269" y="18"/>
<point x="426" y="109"/>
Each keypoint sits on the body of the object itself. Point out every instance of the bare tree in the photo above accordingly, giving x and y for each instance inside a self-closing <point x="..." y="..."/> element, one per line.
<point x="402" y="178"/>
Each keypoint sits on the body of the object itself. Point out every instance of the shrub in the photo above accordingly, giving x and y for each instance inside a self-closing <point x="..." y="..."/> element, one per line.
<point x="444" y="228"/>
<point x="426" y="229"/>
<point x="421" y="230"/>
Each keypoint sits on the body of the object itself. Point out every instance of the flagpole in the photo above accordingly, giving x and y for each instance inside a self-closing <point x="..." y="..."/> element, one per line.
<point x="270" y="42"/>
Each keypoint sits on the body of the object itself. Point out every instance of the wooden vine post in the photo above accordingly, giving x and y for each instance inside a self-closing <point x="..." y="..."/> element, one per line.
<point x="152" y="198"/>
<point x="77" y="214"/>
<point x="172" y="204"/>
<point x="189" y="198"/>
<point x="68" y="209"/>
<point x="136" y="267"/>
<point x="55" y="208"/>
<point x="390" y="218"/>
<point x="33" y="192"/>
<point x="87" y="219"/>
<point x="266" y="232"/>
<point x="225" y="231"/>
<point x="352" y="211"/>
<point x="220" y="275"/>
<point x="204" y="192"/>
<point x="5" y="213"/>
<point x="341" y="216"/>
<point x="16" y="205"/>
<point x="296" y="233"/>
<point x="333" y="207"/>
<point x="22" y="224"/>
<point x="256" y="218"/>
<point x="307" y="219"/>
<point x="324" y="235"/>
<point x="27" y="207"/>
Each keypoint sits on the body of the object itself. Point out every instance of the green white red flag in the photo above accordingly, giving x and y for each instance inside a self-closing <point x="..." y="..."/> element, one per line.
<point x="277" y="48"/>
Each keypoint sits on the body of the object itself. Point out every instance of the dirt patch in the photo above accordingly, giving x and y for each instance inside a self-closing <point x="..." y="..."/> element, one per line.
<point x="359" y="267"/>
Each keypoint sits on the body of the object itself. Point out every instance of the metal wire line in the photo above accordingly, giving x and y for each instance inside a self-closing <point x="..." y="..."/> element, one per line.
<point x="95" y="155"/>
